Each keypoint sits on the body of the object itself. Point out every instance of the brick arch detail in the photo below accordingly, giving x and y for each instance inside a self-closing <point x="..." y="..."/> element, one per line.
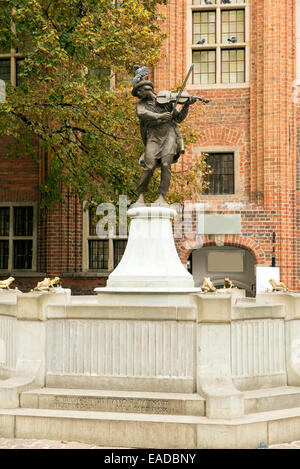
<point x="221" y="135"/>
<point x="238" y="241"/>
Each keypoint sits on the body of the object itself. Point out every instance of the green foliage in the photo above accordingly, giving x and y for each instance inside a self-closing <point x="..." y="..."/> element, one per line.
<point x="62" y="104"/>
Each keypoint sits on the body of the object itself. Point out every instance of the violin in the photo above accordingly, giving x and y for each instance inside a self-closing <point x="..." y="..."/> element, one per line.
<point x="165" y="97"/>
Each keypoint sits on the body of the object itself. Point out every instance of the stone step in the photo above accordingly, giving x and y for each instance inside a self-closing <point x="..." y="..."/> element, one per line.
<point x="262" y="400"/>
<point x="132" y="430"/>
<point x="114" y="401"/>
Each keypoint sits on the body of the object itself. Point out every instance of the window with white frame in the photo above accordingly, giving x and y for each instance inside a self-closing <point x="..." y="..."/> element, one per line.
<point x="103" y="253"/>
<point x="219" y="41"/>
<point x="17" y="237"/>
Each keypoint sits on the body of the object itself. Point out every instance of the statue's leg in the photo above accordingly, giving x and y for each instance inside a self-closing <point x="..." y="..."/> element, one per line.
<point x="150" y="165"/>
<point x="165" y="178"/>
<point x="145" y="180"/>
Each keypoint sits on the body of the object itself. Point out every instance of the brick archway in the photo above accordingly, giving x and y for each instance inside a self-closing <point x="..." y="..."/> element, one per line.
<point x="186" y="247"/>
<point x="220" y="135"/>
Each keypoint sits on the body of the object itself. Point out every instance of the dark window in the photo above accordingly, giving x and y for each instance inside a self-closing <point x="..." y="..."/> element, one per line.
<point x="23" y="221"/>
<point x="119" y="248"/>
<point x="4" y="221"/>
<point x="93" y="221"/>
<point x="4" y="251"/>
<point x="22" y="254"/>
<point x="98" y="254"/>
<point x="16" y="227"/>
<point x="5" y="69"/>
<point x="221" y="179"/>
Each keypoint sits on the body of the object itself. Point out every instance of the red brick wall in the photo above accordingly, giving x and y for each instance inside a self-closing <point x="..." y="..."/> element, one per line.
<point x="261" y="121"/>
<point x="19" y="177"/>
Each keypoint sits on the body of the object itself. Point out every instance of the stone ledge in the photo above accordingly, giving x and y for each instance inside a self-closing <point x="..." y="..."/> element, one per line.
<point x="142" y="313"/>
<point x="152" y="431"/>
<point x="120" y="383"/>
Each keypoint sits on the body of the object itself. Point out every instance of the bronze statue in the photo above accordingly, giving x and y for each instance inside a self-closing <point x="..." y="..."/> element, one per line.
<point x="159" y="116"/>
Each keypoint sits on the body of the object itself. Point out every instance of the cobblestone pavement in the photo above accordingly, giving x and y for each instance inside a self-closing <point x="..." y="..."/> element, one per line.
<point x="6" y="443"/>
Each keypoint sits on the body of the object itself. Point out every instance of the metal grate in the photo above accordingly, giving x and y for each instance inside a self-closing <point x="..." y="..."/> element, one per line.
<point x="22" y="254"/>
<point x="98" y="254"/>
<point x="221" y="179"/>
<point x="23" y="221"/>
<point x="119" y="249"/>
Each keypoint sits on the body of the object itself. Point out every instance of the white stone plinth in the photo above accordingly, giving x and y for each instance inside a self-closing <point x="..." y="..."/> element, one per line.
<point x="263" y="275"/>
<point x="150" y="259"/>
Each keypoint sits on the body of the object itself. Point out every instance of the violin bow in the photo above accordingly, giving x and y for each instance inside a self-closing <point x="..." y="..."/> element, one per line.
<point x="183" y="86"/>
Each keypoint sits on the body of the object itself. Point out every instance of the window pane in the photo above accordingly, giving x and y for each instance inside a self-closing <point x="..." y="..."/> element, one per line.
<point x="204" y="27"/>
<point x="98" y="254"/>
<point x="92" y="221"/>
<point x="233" y="66"/>
<point x="221" y="180"/>
<point x="4" y="249"/>
<point x="22" y="254"/>
<point x="5" y="69"/>
<point x="119" y="248"/>
<point x="197" y="68"/>
<point x="202" y="2"/>
<point x="233" y="26"/>
<point x="206" y="73"/>
<point x="4" y="221"/>
<point x="23" y="221"/>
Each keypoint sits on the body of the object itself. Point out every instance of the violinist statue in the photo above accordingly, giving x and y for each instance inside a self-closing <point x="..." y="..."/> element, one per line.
<point x="159" y="116"/>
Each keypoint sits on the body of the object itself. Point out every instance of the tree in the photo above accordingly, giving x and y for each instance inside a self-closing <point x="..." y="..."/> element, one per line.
<point x="72" y="50"/>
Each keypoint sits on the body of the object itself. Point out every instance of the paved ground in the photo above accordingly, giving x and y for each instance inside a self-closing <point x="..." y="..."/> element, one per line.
<point x="6" y="443"/>
<point x="49" y="444"/>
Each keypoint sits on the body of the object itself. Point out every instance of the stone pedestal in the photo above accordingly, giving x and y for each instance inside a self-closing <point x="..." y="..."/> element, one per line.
<point x="150" y="259"/>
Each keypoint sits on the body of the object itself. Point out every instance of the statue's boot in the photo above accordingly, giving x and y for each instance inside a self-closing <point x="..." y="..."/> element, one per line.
<point x="161" y="201"/>
<point x="140" y="202"/>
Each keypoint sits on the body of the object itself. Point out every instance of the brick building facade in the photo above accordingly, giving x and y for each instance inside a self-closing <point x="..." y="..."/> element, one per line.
<point x="249" y="67"/>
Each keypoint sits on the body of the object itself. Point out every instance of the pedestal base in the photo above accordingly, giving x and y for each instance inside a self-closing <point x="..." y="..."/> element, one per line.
<point x="150" y="259"/>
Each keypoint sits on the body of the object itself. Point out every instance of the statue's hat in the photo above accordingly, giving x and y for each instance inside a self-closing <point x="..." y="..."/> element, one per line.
<point x="139" y="84"/>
